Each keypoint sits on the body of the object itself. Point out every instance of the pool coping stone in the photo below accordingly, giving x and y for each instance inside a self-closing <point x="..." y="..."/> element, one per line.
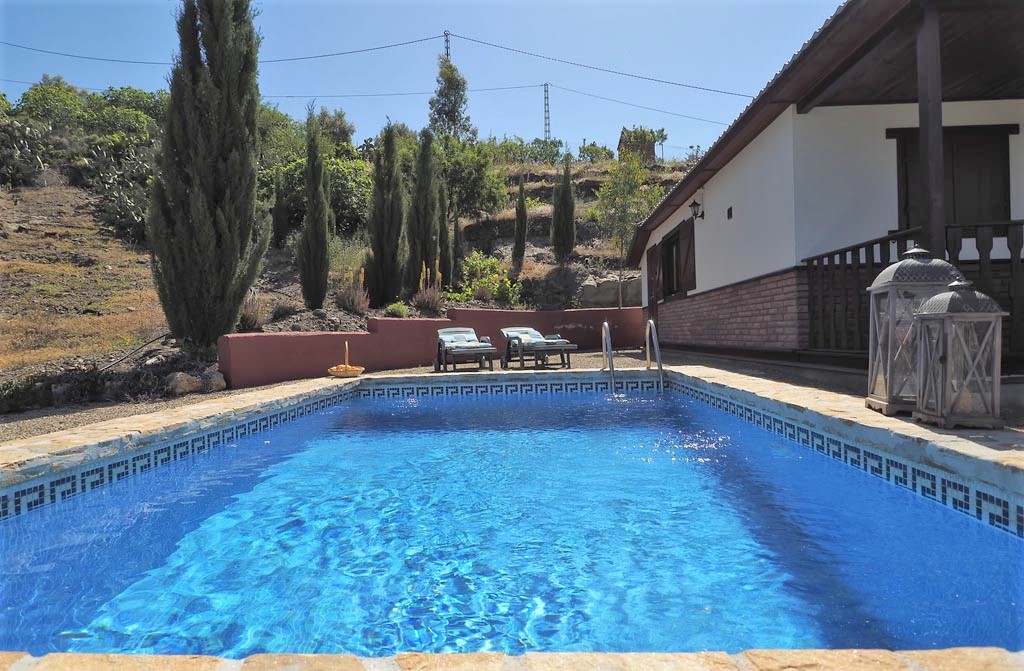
<point x="952" y="659"/>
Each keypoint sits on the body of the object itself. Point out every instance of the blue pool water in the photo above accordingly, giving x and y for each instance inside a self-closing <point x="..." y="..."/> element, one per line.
<point x="561" y="523"/>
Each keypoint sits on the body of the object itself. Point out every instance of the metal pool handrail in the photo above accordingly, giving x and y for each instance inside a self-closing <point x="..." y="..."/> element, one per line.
<point x="607" y="355"/>
<point x="652" y="329"/>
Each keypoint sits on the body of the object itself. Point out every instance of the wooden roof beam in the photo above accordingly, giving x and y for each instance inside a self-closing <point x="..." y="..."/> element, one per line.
<point x="821" y="91"/>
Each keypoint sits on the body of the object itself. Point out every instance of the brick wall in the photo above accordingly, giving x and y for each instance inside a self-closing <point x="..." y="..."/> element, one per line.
<point x="768" y="312"/>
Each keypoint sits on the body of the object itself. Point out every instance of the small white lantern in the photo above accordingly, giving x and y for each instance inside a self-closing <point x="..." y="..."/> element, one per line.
<point x="896" y="294"/>
<point x="959" y="352"/>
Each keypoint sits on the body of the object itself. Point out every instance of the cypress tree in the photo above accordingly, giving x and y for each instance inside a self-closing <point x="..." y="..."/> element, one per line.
<point x="387" y="218"/>
<point x="444" y="245"/>
<point x="563" y="217"/>
<point x="313" y="257"/>
<point x="279" y="215"/>
<point x="422" y="221"/>
<point x="458" y="253"/>
<point x="207" y="235"/>
<point x="519" y="240"/>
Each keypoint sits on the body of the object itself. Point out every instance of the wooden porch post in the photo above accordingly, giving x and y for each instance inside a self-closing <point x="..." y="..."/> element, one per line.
<point x="929" y="109"/>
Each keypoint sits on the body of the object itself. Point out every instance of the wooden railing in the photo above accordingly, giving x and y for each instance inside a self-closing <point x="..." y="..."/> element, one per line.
<point x="837" y="281"/>
<point x="996" y="266"/>
<point x="836" y="289"/>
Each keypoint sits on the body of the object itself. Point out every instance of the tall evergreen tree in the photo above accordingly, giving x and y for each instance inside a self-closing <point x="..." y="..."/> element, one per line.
<point x="279" y="214"/>
<point x="313" y="256"/>
<point x="444" y="245"/>
<point x="206" y="233"/>
<point x="448" y="117"/>
<point x="422" y="221"/>
<point x="519" y="239"/>
<point x="458" y="253"/>
<point x="387" y="218"/>
<point x="563" y="217"/>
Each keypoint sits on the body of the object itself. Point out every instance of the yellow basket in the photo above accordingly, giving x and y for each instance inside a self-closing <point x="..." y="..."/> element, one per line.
<point x="344" y="369"/>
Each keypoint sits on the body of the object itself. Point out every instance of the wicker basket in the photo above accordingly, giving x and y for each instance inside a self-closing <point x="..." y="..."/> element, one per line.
<point x="344" y="369"/>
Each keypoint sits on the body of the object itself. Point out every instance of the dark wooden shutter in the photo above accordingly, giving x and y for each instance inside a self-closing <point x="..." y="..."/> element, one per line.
<point x="977" y="175"/>
<point x="687" y="257"/>
<point x="654" y="277"/>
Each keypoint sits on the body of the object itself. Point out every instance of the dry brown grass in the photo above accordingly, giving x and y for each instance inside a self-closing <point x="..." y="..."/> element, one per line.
<point x="37" y="337"/>
<point x="62" y="270"/>
<point x="533" y="270"/>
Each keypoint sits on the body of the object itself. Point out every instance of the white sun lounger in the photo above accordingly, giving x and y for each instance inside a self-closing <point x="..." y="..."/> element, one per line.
<point x="526" y="343"/>
<point x="460" y="345"/>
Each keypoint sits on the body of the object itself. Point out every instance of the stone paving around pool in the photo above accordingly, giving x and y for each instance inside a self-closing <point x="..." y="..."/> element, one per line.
<point x="956" y="659"/>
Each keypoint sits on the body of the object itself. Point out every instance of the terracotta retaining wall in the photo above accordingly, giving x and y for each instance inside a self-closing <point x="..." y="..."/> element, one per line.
<point x="252" y="359"/>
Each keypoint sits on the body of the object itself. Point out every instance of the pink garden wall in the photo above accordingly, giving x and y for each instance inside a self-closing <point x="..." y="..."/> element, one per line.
<point x="252" y="359"/>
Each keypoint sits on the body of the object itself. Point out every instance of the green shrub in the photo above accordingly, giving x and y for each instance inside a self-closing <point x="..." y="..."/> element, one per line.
<point x="485" y="281"/>
<point x="21" y="147"/>
<point x="350" y="182"/>
<point x="396" y="309"/>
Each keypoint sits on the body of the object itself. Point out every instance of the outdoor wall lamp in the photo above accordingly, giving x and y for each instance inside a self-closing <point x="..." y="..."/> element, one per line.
<point x="696" y="210"/>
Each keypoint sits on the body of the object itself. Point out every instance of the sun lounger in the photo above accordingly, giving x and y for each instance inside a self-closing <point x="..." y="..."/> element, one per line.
<point x="525" y="343"/>
<point x="460" y="345"/>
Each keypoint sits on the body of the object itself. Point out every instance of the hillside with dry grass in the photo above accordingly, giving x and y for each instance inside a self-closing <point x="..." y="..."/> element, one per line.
<point x="69" y="288"/>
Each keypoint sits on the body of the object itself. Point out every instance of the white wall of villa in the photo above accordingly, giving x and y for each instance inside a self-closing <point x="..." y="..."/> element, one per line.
<point x="810" y="183"/>
<point x="846" y="169"/>
<point x="759" y="186"/>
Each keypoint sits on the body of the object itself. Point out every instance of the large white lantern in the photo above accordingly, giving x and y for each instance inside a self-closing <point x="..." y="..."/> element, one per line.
<point x="960" y="344"/>
<point x="896" y="294"/>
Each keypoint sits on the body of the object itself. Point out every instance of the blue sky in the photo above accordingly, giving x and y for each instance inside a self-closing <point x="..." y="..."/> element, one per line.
<point x="734" y="45"/>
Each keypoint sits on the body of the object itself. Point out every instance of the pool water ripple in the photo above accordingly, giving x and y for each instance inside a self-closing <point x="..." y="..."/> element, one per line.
<point x="565" y="523"/>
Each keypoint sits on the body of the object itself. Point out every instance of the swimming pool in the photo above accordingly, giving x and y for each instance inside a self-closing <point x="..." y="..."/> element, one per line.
<point x="567" y="522"/>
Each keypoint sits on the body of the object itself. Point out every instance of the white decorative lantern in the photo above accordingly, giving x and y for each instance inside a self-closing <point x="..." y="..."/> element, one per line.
<point x="959" y="352"/>
<point x="896" y="294"/>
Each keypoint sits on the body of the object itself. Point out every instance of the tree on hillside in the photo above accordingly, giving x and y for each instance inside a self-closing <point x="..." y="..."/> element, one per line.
<point x="387" y="218"/>
<point x="448" y="117"/>
<point x="207" y="235"/>
<point x="519" y="238"/>
<point x="279" y="214"/>
<point x="422" y="220"/>
<point x="593" y="152"/>
<point x="444" y="245"/>
<point x="338" y="130"/>
<point x="313" y="257"/>
<point x="474" y="187"/>
<point x="623" y="201"/>
<point x="563" y="216"/>
<point x="458" y="254"/>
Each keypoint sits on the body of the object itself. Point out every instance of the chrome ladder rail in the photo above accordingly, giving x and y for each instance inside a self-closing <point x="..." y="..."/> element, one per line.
<point x="648" y="341"/>
<point x="607" y="356"/>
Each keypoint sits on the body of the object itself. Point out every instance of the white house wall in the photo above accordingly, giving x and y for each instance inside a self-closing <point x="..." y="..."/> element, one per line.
<point x="846" y="181"/>
<point x="814" y="182"/>
<point x="758" y="185"/>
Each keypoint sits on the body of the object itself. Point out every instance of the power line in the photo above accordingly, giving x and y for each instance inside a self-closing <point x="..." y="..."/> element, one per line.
<point x="643" y="107"/>
<point x="354" y="51"/>
<point x="263" y="61"/>
<point x="405" y="93"/>
<point x="18" y="81"/>
<point x="600" y="69"/>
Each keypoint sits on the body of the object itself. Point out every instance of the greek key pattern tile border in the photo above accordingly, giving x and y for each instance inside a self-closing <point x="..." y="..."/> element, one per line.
<point x="992" y="507"/>
<point x="505" y="388"/>
<point x="29" y="496"/>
